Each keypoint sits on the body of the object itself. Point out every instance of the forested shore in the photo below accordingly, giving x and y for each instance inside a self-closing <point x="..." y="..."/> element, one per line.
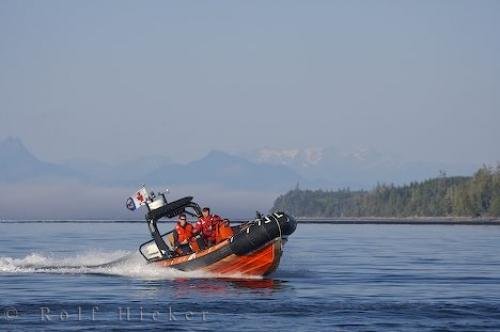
<point x="444" y="196"/>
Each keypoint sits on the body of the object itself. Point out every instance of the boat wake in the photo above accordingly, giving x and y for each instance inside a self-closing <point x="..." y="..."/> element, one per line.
<point x="116" y="263"/>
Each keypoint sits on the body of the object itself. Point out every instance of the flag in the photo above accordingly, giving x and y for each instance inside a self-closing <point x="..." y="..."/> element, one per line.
<point x="138" y="199"/>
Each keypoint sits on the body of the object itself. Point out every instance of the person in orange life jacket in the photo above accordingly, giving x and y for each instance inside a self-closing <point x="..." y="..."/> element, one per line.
<point x="207" y="225"/>
<point x="182" y="234"/>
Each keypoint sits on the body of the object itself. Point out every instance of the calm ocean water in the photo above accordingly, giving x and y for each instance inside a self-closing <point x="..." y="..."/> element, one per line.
<point x="331" y="278"/>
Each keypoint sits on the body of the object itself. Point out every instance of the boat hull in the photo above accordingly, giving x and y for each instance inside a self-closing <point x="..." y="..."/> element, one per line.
<point x="221" y="261"/>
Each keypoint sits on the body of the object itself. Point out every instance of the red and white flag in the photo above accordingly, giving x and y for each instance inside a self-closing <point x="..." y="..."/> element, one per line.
<point x="138" y="199"/>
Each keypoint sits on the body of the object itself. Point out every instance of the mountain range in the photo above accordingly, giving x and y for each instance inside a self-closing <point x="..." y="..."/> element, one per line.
<point x="265" y="169"/>
<point x="18" y="165"/>
<point x="235" y="184"/>
<point x="361" y="168"/>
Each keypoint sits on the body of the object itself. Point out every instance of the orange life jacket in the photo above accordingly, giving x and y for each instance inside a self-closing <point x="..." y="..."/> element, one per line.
<point x="223" y="232"/>
<point x="184" y="233"/>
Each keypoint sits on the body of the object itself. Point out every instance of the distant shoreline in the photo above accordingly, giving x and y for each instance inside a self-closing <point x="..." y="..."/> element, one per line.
<point x="311" y="220"/>
<point x="402" y="220"/>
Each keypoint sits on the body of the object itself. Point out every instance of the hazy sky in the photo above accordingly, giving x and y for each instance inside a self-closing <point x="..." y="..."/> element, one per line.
<point x="112" y="80"/>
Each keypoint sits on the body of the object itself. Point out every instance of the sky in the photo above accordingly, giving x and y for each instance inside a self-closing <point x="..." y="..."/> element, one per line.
<point x="116" y="80"/>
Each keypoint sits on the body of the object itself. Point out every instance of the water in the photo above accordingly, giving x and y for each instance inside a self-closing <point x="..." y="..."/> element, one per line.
<point x="331" y="278"/>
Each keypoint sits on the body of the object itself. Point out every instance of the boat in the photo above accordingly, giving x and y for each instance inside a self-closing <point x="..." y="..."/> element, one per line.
<point x="252" y="248"/>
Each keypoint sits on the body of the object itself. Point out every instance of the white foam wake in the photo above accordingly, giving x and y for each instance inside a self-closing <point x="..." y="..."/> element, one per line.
<point x="94" y="262"/>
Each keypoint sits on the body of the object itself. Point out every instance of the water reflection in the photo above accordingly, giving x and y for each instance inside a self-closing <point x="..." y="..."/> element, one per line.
<point x="187" y="288"/>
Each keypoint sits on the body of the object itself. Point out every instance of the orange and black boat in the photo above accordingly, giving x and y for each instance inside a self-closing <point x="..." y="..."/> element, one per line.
<point x="253" y="248"/>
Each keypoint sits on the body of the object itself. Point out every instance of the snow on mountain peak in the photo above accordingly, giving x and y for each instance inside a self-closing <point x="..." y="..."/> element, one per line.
<point x="304" y="157"/>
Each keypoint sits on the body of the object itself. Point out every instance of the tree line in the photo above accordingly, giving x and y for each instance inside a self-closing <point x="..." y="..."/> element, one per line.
<point x="467" y="196"/>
